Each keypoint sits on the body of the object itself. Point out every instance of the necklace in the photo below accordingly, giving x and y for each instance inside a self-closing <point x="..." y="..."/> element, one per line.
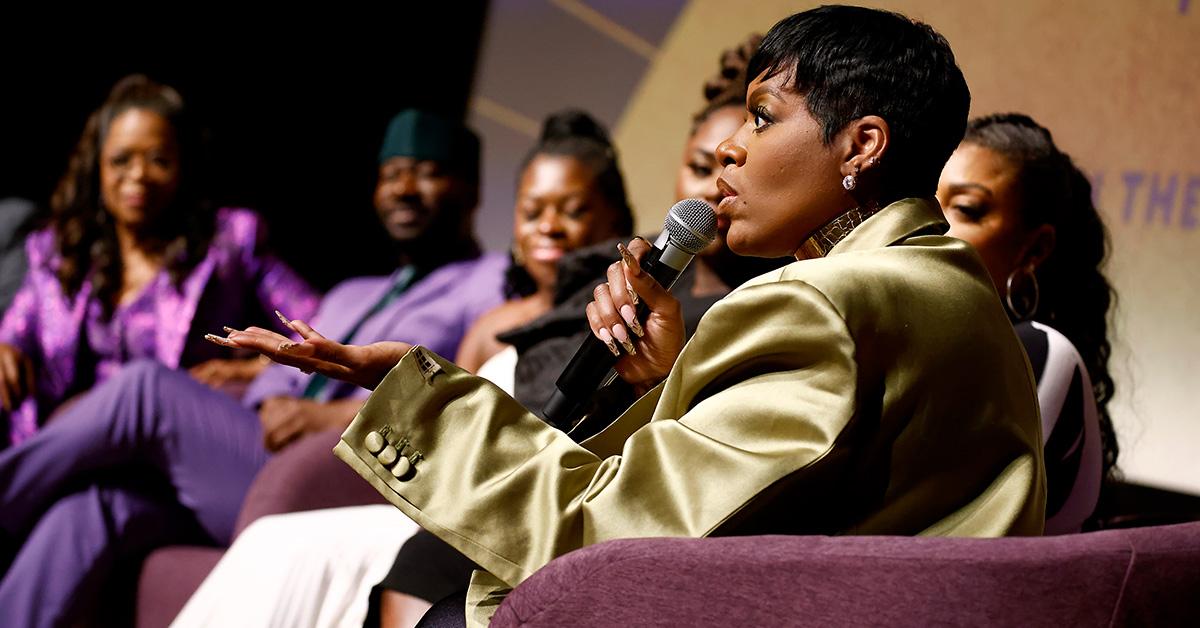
<point x="834" y="231"/>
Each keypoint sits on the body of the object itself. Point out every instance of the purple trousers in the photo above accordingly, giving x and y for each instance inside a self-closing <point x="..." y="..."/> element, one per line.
<point x="143" y="460"/>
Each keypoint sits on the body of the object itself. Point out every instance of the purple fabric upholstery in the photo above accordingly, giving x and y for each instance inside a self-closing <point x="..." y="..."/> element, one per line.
<point x="1146" y="576"/>
<point x="304" y="476"/>
<point x="169" y="577"/>
<point x="1163" y="585"/>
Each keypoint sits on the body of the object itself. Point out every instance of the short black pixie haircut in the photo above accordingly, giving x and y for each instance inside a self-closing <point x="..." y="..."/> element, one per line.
<point x="849" y="62"/>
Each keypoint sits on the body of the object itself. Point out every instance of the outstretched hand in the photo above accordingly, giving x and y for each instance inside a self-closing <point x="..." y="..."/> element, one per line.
<point x="364" y="365"/>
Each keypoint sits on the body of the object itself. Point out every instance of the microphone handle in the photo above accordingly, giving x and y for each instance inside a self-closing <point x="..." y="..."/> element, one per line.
<point x="593" y="360"/>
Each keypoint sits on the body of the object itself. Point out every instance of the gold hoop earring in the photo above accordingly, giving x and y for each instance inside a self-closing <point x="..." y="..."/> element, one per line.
<point x="1030" y="303"/>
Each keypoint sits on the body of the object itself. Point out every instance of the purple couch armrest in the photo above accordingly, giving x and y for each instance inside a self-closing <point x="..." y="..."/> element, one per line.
<point x="169" y="577"/>
<point x="1123" y="576"/>
<point x="1163" y="584"/>
<point x="305" y="476"/>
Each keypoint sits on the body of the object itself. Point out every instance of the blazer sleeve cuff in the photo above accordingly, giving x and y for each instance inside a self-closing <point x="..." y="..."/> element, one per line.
<point x="419" y="440"/>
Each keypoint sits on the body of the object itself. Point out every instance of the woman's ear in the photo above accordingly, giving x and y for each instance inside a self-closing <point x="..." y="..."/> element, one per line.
<point x="1038" y="247"/>
<point x="865" y="143"/>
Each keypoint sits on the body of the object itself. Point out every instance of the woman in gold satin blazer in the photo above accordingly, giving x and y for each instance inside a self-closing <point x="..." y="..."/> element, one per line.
<point x="875" y="386"/>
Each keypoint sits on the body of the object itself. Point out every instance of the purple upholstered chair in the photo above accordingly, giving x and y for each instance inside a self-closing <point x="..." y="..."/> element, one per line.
<point x="1134" y="577"/>
<point x="1140" y="576"/>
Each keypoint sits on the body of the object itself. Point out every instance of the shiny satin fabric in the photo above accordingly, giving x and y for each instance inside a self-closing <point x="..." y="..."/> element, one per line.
<point x="878" y="390"/>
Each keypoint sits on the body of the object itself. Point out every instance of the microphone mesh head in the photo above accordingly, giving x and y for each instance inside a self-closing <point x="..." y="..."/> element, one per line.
<point x="691" y="225"/>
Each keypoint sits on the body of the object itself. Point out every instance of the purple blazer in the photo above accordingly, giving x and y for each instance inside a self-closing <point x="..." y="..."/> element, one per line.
<point x="235" y="284"/>
<point x="435" y="312"/>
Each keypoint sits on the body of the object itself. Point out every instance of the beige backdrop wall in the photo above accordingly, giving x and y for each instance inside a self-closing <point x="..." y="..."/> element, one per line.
<point x="1119" y="84"/>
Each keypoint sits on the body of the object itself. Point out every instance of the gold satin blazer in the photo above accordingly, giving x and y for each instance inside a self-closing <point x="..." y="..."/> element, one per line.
<point x="877" y="390"/>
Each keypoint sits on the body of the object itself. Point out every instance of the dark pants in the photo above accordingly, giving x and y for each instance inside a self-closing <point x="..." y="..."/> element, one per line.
<point x="428" y="568"/>
<point x="74" y="498"/>
<point x="449" y="612"/>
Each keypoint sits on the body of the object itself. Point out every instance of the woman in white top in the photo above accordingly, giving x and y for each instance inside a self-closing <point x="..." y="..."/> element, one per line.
<point x="1028" y="210"/>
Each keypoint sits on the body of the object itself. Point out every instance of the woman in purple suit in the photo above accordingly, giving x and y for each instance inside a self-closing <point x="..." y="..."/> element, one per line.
<point x="152" y="457"/>
<point x="133" y="266"/>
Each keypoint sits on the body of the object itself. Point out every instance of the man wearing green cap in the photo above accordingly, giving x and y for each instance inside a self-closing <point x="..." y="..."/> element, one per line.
<point x="428" y="188"/>
<point x="150" y="425"/>
<point x="425" y="196"/>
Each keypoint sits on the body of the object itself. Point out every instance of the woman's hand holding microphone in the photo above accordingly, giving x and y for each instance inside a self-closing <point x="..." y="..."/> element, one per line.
<point x="650" y="347"/>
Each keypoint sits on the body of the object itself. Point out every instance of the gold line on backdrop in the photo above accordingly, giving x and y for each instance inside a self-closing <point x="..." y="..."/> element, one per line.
<point x="505" y="116"/>
<point x="1119" y="85"/>
<point x="607" y="27"/>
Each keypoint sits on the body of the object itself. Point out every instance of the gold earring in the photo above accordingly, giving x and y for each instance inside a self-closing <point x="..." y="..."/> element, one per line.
<point x="1028" y="306"/>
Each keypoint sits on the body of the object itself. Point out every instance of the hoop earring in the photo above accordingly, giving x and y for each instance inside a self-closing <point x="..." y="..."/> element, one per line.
<point x="1031" y="303"/>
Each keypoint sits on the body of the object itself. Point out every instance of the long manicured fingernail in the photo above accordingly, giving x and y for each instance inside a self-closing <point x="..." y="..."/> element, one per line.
<point x="229" y="330"/>
<point x="630" y="316"/>
<point x="628" y="259"/>
<point x="623" y="337"/>
<point x="288" y="346"/>
<point x="224" y="342"/>
<point x="287" y="323"/>
<point x="608" y="341"/>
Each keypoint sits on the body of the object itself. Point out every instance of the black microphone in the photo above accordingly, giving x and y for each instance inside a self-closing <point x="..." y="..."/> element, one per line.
<point x="690" y="226"/>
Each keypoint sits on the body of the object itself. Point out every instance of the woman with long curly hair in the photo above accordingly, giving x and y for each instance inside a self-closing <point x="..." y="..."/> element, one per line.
<point x="134" y="264"/>
<point x="1028" y="210"/>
